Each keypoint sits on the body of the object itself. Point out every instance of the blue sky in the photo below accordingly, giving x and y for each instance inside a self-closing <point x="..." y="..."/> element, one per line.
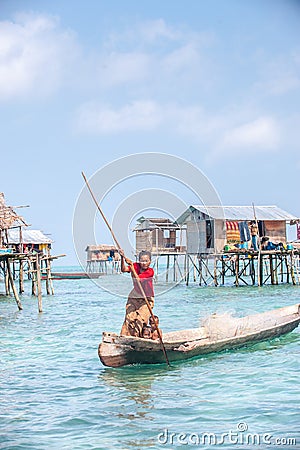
<point x="84" y="83"/>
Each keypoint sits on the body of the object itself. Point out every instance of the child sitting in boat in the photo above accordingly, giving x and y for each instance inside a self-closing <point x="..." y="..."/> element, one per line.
<point x="147" y="332"/>
<point x="154" y="328"/>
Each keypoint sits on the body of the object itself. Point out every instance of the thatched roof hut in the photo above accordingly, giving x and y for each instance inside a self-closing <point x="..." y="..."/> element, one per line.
<point x="8" y="217"/>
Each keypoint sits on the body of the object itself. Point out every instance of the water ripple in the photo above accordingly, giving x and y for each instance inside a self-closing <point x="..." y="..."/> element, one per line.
<point x="54" y="392"/>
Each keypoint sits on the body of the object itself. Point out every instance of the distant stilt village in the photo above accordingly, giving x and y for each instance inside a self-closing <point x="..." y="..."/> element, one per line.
<point x="207" y="245"/>
<point x="216" y="245"/>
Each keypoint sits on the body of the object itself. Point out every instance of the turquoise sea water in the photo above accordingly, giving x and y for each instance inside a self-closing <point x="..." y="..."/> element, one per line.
<point x="55" y="394"/>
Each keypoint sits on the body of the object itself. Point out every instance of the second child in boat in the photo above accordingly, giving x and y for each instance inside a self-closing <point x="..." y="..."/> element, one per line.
<point x="137" y="312"/>
<point x="147" y="332"/>
<point x="154" y="328"/>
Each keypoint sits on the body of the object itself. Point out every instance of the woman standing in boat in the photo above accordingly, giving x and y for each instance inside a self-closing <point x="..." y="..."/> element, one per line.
<point x="137" y="313"/>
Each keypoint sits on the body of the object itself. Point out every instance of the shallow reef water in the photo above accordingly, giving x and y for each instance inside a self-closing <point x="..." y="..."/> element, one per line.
<point x="55" y="393"/>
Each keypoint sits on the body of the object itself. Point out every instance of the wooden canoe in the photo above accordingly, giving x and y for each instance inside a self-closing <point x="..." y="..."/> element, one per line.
<point x="73" y="275"/>
<point x="216" y="334"/>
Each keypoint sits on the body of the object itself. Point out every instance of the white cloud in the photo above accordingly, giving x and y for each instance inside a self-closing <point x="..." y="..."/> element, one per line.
<point x="139" y="115"/>
<point x="118" y="68"/>
<point x="39" y="57"/>
<point x="260" y="134"/>
<point x="34" y="55"/>
<point x="288" y="83"/>
<point x="280" y="84"/>
<point x="144" y="115"/>
<point x="280" y="75"/>
<point x="152" y="52"/>
<point x="142" y="70"/>
<point x="147" y="115"/>
<point x="152" y="30"/>
<point x="185" y="56"/>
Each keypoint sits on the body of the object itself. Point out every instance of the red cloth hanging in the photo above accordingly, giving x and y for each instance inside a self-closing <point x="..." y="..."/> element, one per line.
<point x="298" y="230"/>
<point x="232" y="231"/>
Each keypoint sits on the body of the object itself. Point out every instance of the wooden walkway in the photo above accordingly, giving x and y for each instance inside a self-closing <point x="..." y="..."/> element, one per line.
<point x="17" y="267"/>
<point x="248" y="267"/>
<point x="240" y="267"/>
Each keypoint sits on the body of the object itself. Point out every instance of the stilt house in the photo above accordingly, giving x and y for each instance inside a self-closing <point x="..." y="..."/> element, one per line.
<point x="30" y="240"/>
<point x="158" y="235"/>
<point x="100" y="252"/>
<point x="99" y="257"/>
<point x="210" y="228"/>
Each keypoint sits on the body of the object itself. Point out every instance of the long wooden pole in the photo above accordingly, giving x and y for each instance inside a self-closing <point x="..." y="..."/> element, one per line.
<point x="131" y="267"/>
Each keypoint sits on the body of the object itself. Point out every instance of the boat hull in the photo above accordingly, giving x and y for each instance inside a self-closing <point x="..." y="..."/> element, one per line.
<point x="118" y="351"/>
<point x="72" y="275"/>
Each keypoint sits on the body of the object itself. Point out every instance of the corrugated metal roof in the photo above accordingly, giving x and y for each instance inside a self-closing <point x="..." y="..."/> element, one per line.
<point x="239" y="213"/>
<point x="28" y="237"/>
<point x="146" y="224"/>
<point x="100" y="248"/>
<point x="152" y="224"/>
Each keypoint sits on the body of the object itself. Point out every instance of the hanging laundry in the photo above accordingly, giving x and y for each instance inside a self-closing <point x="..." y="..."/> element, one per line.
<point x="232" y="231"/>
<point x="244" y="231"/>
<point x="298" y="230"/>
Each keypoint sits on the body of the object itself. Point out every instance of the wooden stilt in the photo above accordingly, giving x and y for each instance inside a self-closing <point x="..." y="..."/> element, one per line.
<point x="187" y="270"/>
<point x="11" y="280"/>
<point x="201" y="264"/>
<point x="21" y="277"/>
<point x="252" y="271"/>
<point x="194" y="271"/>
<point x="260" y="270"/>
<point x="271" y="269"/>
<point x="39" y="283"/>
<point x="175" y="269"/>
<point x="167" y="270"/>
<point x="14" y="270"/>
<point x="215" y="271"/>
<point x="276" y="270"/>
<point x="292" y="268"/>
<point x="7" y="283"/>
<point x="179" y="270"/>
<point x="223" y="270"/>
<point x="237" y="257"/>
<point x="49" y="284"/>
<point x="281" y="269"/>
<point x="33" y="277"/>
<point x="200" y="270"/>
<point x="287" y="269"/>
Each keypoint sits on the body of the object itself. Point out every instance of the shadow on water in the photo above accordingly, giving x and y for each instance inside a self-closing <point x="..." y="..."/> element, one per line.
<point x="137" y="380"/>
<point x="136" y="377"/>
<point x="133" y="389"/>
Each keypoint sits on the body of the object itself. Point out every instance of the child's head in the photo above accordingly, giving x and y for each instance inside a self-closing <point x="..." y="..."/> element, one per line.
<point x="145" y="259"/>
<point x="152" y="323"/>
<point x="146" y="333"/>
